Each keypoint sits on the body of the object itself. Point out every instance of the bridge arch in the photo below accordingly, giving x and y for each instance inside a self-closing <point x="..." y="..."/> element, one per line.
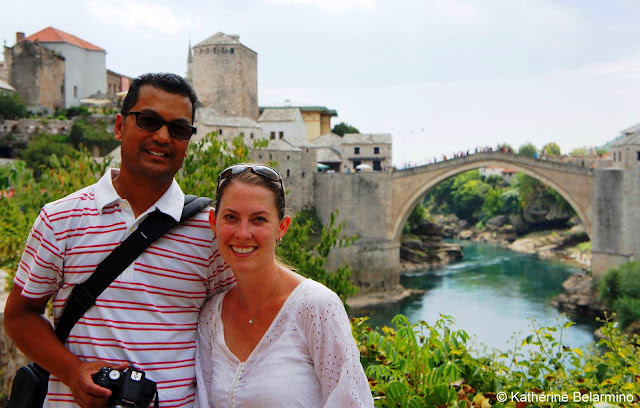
<point x="573" y="183"/>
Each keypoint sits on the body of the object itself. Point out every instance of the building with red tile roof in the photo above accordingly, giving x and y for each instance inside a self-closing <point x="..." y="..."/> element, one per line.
<point x="53" y="35"/>
<point x="85" y="63"/>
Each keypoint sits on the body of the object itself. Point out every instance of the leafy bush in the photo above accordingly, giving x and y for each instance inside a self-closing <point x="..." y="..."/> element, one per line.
<point x="37" y="155"/>
<point x="12" y="107"/>
<point x="619" y="289"/>
<point x="427" y="365"/>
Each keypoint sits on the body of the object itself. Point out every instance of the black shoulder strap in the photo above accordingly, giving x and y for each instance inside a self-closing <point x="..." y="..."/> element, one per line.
<point x="153" y="227"/>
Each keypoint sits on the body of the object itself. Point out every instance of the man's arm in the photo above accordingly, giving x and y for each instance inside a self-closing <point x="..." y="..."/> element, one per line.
<point x="27" y="326"/>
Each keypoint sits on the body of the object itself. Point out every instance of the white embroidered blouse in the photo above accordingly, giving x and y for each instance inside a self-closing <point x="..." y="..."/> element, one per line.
<point x="307" y="357"/>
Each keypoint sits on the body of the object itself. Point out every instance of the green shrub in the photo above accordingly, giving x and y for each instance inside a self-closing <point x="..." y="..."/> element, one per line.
<point x="627" y="309"/>
<point x="621" y="281"/>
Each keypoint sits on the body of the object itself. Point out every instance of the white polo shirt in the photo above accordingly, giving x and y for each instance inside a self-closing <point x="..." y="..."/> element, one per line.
<point x="148" y="315"/>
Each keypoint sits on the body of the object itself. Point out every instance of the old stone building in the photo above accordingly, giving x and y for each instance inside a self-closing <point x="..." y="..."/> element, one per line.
<point x="37" y="74"/>
<point x="373" y="151"/>
<point x="85" y="64"/>
<point x="225" y="76"/>
<point x="116" y="85"/>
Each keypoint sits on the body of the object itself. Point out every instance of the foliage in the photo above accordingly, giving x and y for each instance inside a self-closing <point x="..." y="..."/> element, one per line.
<point x="551" y="149"/>
<point x="426" y="365"/>
<point x="342" y="128"/>
<point x="41" y="148"/>
<point x="24" y="196"/>
<point x="73" y="111"/>
<point x="619" y="289"/>
<point x="310" y="259"/>
<point x="417" y="215"/>
<point x="207" y="158"/>
<point x="528" y="150"/>
<point x="12" y="107"/>
<point x="93" y="136"/>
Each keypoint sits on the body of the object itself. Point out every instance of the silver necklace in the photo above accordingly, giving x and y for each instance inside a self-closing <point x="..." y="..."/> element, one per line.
<point x="251" y="321"/>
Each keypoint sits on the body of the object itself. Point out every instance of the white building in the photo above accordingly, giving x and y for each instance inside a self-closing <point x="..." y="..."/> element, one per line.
<point x="85" y="64"/>
<point x="284" y="124"/>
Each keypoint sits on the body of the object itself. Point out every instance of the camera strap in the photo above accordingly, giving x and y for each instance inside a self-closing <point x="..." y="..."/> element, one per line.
<point x="84" y="295"/>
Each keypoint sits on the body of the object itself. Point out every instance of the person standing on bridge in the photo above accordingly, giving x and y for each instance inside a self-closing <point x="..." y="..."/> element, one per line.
<point x="289" y="337"/>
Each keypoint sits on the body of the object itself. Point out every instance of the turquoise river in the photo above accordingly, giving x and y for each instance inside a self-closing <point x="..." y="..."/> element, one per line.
<point x="493" y="294"/>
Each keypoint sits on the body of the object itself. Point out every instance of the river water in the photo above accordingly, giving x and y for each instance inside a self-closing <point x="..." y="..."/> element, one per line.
<point x="493" y="294"/>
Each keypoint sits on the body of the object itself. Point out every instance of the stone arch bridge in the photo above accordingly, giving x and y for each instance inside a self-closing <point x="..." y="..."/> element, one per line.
<point x="376" y="205"/>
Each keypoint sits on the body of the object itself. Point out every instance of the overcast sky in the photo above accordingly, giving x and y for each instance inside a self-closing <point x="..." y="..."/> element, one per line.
<point x="438" y="75"/>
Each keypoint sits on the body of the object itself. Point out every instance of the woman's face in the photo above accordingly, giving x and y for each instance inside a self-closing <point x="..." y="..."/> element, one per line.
<point x="247" y="227"/>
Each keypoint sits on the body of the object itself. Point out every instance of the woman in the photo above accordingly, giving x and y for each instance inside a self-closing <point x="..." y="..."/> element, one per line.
<point x="276" y="338"/>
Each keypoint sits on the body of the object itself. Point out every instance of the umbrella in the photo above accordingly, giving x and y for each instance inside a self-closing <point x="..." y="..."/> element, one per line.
<point x="363" y="167"/>
<point x="323" y="166"/>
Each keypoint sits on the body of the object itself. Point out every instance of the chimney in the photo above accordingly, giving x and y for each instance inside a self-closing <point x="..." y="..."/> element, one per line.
<point x="19" y="37"/>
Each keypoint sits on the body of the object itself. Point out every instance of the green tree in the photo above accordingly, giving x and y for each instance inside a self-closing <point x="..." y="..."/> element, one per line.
<point x="619" y="289"/>
<point x="468" y="194"/>
<point x="37" y="155"/>
<point x="12" y="107"/>
<point x="528" y="150"/>
<point x="551" y="149"/>
<point x="342" y="128"/>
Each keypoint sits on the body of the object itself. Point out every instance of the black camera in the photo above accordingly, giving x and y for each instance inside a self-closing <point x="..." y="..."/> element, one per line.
<point x="129" y="388"/>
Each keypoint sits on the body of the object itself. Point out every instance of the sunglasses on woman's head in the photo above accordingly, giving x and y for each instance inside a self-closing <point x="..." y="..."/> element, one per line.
<point x="151" y="123"/>
<point x="264" y="171"/>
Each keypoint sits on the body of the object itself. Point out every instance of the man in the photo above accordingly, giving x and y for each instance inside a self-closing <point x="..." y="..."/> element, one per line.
<point x="147" y="317"/>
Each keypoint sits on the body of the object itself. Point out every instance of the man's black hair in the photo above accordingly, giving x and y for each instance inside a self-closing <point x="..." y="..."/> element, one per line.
<point x="166" y="81"/>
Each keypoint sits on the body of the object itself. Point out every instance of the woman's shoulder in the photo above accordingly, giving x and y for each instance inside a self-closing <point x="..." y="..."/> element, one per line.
<point x="312" y="292"/>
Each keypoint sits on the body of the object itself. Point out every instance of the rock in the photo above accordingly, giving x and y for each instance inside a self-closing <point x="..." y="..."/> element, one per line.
<point x="518" y="223"/>
<point x="412" y="243"/>
<point x="579" y="295"/>
<point x="428" y="228"/>
<point x="466" y="234"/>
<point x="496" y="222"/>
<point x="633" y="328"/>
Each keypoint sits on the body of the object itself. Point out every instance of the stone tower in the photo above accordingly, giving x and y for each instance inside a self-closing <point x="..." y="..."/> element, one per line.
<point x="225" y="76"/>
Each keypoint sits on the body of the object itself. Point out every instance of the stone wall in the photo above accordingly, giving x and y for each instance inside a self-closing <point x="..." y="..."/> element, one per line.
<point x="37" y="74"/>
<point x="364" y="203"/>
<point x="615" y="196"/>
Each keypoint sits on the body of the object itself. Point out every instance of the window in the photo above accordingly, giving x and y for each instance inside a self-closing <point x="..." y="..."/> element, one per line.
<point x="376" y="165"/>
<point x="638" y="157"/>
<point x="376" y="150"/>
<point x="356" y="150"/>
<point x="231" y="51"/>
<point x="288" y="173"/>
<point x="302" y="174"/>
<point x="356" y="163"/>
<point x="273" y="135"/>
<point x="281" y="134"/>
<point x="220" y="132"/>
<point x="75" y="91"/>
<point x="287" y="157"/>
<point x="251" y="136"/>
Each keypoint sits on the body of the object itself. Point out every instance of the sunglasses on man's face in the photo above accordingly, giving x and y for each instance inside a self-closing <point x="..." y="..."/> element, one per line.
<point x="264" y="171"/>
<point x="151" y="123"/>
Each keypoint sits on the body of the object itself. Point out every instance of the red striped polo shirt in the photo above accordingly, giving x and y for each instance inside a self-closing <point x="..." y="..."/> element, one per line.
<point x="148" y="315"/>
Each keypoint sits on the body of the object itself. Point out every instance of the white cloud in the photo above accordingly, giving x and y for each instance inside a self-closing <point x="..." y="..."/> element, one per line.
<point x="140" y="15"/>
<point x="626" y="68"/>
<point x="331" y="6"/>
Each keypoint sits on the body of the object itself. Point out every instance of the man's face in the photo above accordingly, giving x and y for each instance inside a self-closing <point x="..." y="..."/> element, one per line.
<point x="153" y="154"/>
